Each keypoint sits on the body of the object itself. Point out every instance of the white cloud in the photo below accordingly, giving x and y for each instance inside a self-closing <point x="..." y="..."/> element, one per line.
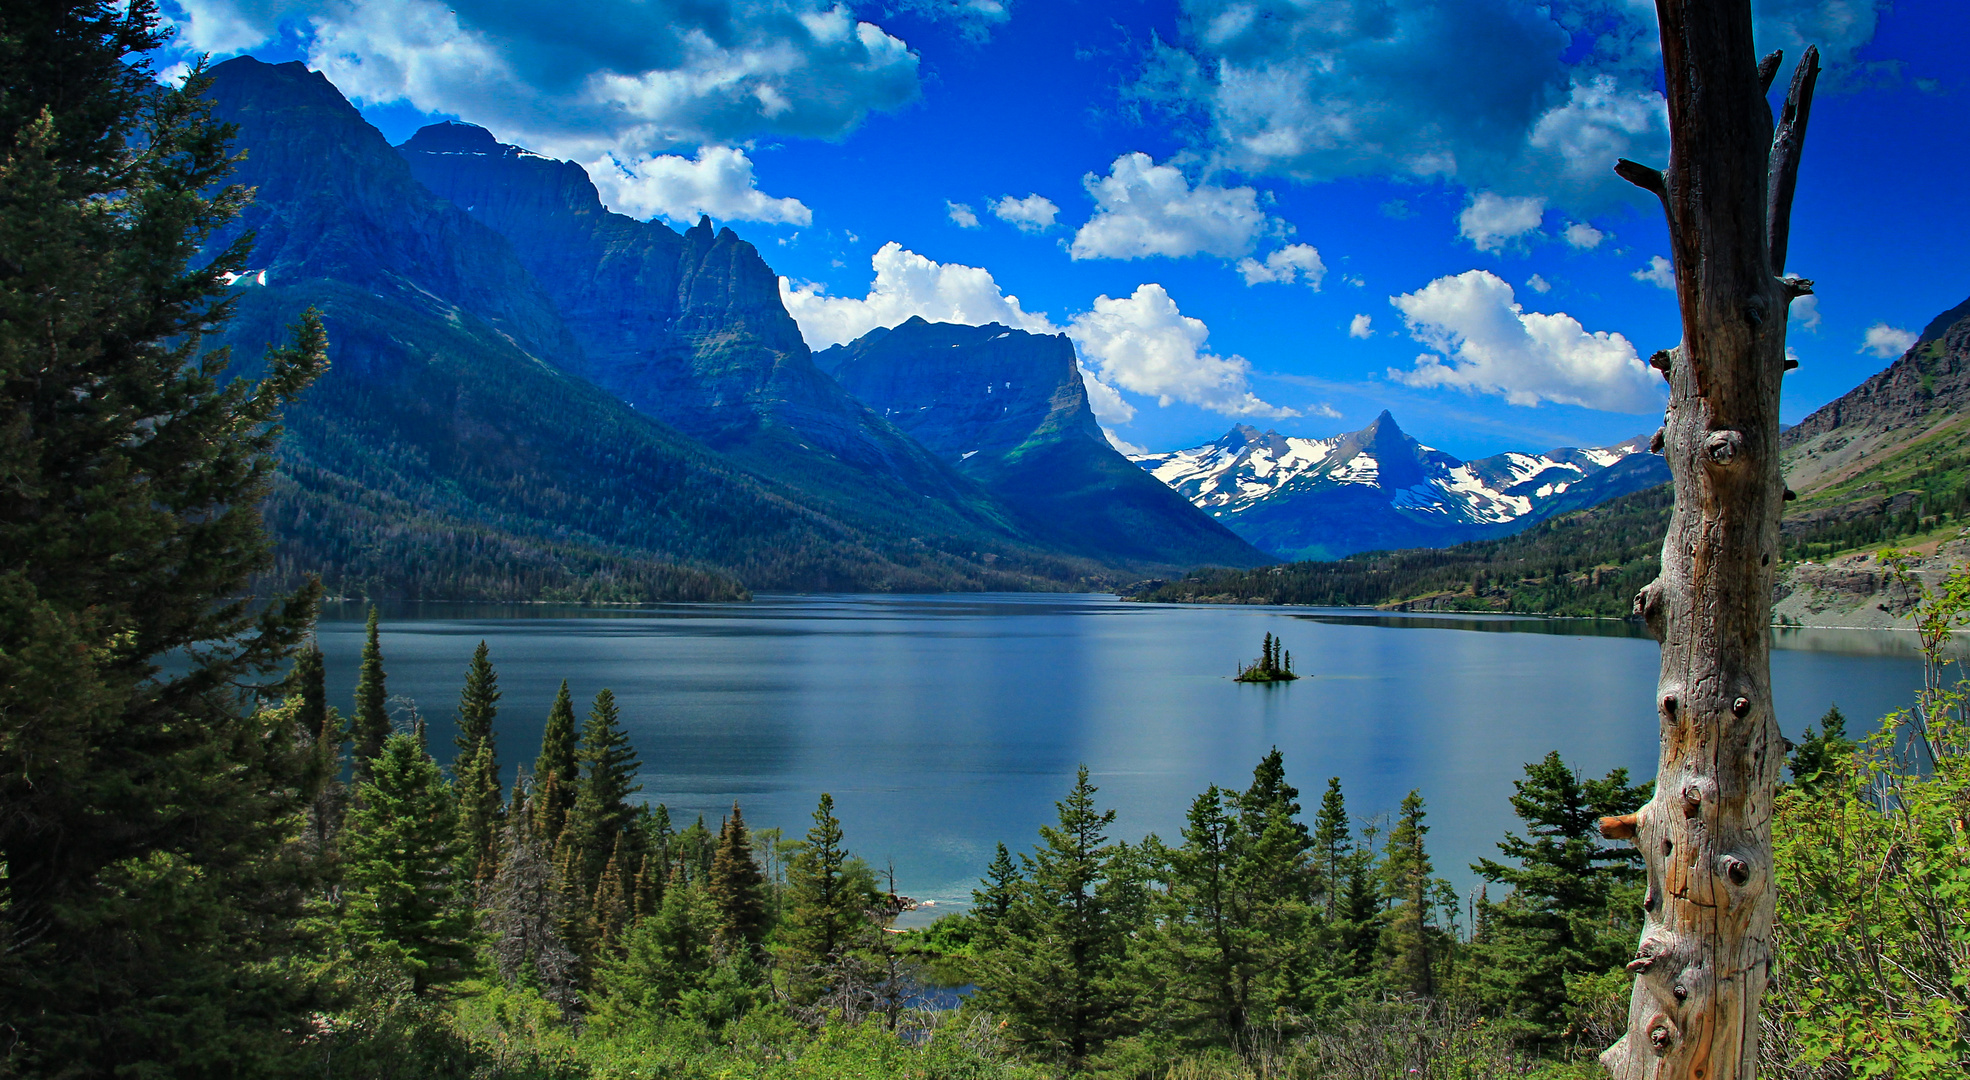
<point x="907" y="284"/>
<point x="1144" y="209"/>
<point x="1492" y="221"/>
<point x="1485" y="342"/>
<point x="1572" y="147"/>
<point x="1124" y="446"/>
<point x="629" y="79"/>
<point x="1538" y="284"/>
<point x="1359" y="327"/>
<point x="1107" y="402"/>
<point x="1143" y="344"/>
<point x="1805" y="311"/>
<point x="961" y="214"/>
<point x="1659" y="273"/>
<point x="718" y="182"/>
<point x="1887" y="341"/>
<point x="1583" y="236"/>
<point x="1034" y="213"/>
<point x="1293" y="260"/>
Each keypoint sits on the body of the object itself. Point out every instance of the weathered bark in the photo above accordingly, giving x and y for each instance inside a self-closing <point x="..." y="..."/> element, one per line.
<point x="1706" y="834"/>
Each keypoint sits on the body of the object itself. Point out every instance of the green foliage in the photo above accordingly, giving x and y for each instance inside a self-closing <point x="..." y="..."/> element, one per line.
<point x="403" y="901"/>
<point x="557" y="770"/>
<point x="149" y="803"/>
<point x="475" y="771"/>
<point x="1054" y="966"/>
<point x="372" y="719"/>
<point x="1871" y="949"/>
<point x="829" y="895"/>
<point x="1569" y="913"/>
<point x="1412" y="938"/>
<point x="738" y="889"/>
<point x="601" y="811"/>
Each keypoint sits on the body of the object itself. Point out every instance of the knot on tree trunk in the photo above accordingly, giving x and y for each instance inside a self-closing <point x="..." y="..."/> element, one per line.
<point x="1723" y="447"/>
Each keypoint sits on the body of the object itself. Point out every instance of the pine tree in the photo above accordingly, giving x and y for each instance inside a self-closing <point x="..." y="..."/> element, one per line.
<point x="1333" y="849"/>
<point x="372" y="720"/>
<point x="664" y="957"/>
<point x="826" y="909"/>
<point x="557" y="771"/>
<point x="321" y="731"/>
<point x="401" y="878"/>
<point x="1819" y="755"/>
<point x="1562" y="917"/>
<point x="738" y="889"/>
<point x="1054" y="968"/>
<point x="476" y="769"/>
<point x="991" y="904"/>
<point x="142" y="797"/>
<point x="1410" y="940"/>
<point x="309" y="680"/>
<point x="610" y="909"/>
<point x="600" y="811"/>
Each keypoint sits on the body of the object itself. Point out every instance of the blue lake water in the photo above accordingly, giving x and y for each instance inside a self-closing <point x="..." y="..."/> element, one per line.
<point x="943" y="725"/>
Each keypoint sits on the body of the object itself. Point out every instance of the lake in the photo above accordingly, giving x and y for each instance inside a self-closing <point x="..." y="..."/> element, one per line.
<point x="945" y="724"/>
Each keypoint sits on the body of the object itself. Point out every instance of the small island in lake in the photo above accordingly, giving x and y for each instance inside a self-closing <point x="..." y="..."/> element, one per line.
<point x="1273" y="665"/>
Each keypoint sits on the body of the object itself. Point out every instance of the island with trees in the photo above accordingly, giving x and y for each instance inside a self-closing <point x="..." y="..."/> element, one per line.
<point x="1274" y="664"/>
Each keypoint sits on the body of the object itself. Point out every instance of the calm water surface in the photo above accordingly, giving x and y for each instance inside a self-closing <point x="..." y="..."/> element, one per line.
<point x="945" y="724"/>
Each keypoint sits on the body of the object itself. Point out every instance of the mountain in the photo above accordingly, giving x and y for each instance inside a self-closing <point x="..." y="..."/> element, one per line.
<point x="1380" y="489"/>
<point x="457" y="450"/>
<point x="1008" y="409"/>
<point x="689" y="328"/>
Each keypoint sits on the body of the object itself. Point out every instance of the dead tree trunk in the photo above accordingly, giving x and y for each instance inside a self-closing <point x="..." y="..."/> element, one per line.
<point x="1706" y="835"/>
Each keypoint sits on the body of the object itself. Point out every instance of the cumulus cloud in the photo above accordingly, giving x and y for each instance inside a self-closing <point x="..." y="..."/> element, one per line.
<point x="625" y="78"/>
<point x="1660" y="272"/>
<point x="976" y="19"/>
<point x="1123" y="445"/>
<point x="1483" y="341"/>
<point x="907" y="284"/>
<point x="1318" y="91"/>
<point x="1107" y="402"/>
<point x="1887" y="341"/>
<point x="1034" y="213"/>
<point x="1492" y="221"/>
<point x="718" y="181"/>
<point x="1805" y="311"/>
<point x="1300" y="261"/>
<point x="1583" y="236"/>
<point x="1538" y="284"/>
<point x="1358" y="327"/>
<point x="961" y="214"/>
<point x="1144" y="209"/>
<point x="1143" y="344"/>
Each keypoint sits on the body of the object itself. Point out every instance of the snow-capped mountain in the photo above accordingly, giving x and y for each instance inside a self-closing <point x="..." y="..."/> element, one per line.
<point x="1378" y="488"/>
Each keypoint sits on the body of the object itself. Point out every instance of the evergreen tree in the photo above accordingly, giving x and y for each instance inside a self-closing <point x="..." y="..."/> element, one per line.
<point x="1815" y="762"/>
<point x="557" y="771"/>
<point x="401" y="879"/>
<point x="738" y="889"/>
<point x="372" y="720"/>
<point x="991" y="904"/>
<point x="476" y="769"/>
<point x="309" y="681"/>
<point x="321" y="732"/>
<point x="1562" y="917"/>
<point x="664" y="957"/>
<point x="1410" y="939"/>
<point x="600" y="811"/>
<point x="610" y="909"/>
<point x="1333" y="849"/>
<point x="1054" y="967"/>
<point x="826" y="915"/>
<point x="143" y="798"/>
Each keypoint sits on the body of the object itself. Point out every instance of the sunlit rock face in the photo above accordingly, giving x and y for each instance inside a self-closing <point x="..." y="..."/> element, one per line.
<point x="1378" y="488"/>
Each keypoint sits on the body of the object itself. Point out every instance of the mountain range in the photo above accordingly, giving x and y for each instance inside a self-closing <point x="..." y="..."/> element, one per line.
<point x="1379" y="489"/>
<point x="532" y="397"/>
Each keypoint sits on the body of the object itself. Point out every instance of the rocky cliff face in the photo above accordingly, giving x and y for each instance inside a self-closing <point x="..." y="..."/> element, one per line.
<point x="1923" y="393"/>
<point x="1009" y="409"/>
<point x="454" y="449"/>
<point x="1379" y="488"/>
<point x="686" y="327"/>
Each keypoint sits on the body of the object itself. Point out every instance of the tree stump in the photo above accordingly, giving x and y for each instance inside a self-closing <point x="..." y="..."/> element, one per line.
<point x="1706" y="835"/>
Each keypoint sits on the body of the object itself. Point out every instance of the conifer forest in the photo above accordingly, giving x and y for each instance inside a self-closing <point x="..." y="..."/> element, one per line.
<point x="211" y="869"/>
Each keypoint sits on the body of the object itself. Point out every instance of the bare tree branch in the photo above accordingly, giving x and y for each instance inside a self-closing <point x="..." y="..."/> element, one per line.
<point x="1788" y="142"/>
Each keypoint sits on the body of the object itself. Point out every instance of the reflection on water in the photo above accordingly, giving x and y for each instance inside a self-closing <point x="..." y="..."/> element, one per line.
<point x="946" y="724"/>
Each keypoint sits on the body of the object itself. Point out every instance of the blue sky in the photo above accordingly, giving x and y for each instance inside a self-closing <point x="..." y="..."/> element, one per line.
<point x="1290" y="213"/>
